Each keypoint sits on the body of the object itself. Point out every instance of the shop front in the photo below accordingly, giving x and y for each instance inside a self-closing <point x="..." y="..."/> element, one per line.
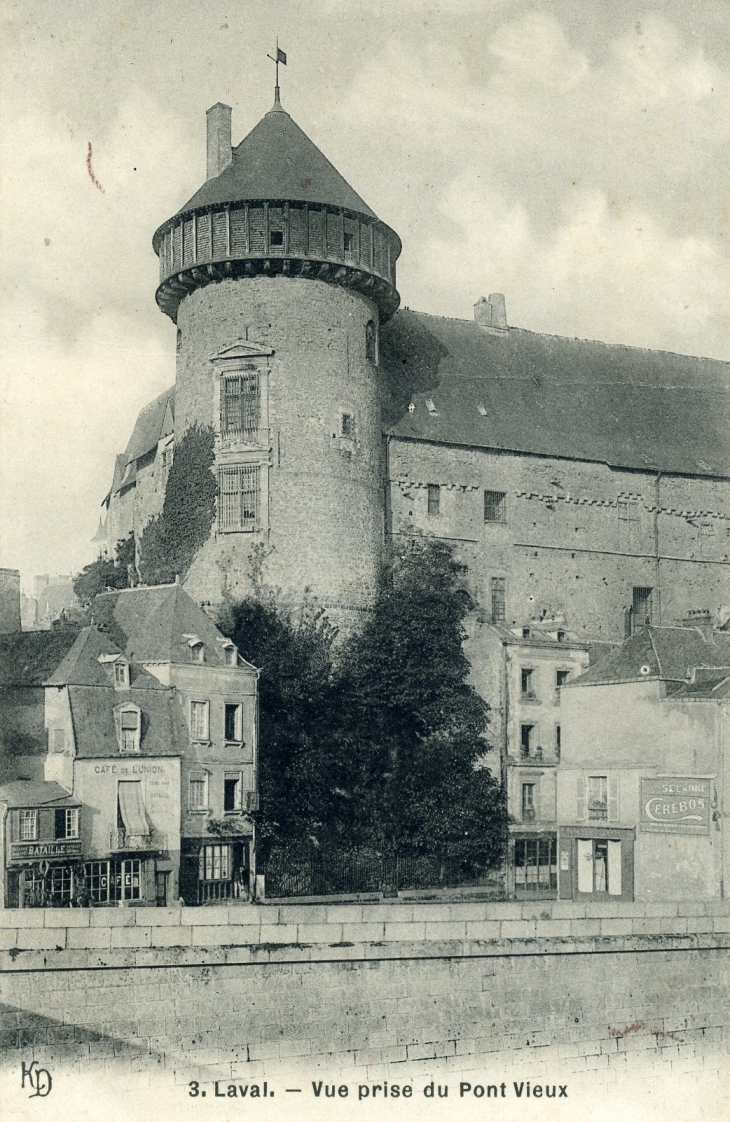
<point x="596" y="863"/>
<point x="44" y="867"/>
<point x="217" y="868"/>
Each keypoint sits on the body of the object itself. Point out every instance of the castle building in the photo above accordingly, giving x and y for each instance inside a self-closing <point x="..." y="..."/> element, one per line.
<point x="576" y="480"/>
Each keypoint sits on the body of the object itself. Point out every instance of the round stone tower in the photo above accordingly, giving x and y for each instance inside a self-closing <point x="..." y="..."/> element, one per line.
<point x="278" y="277"/>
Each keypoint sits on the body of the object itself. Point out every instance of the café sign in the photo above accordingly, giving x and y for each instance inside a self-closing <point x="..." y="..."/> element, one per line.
<point x="676" y="806"/>
<point x="40" y="851"/>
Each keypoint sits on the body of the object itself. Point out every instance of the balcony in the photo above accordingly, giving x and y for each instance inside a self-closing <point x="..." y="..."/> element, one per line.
<point x="125" y="841"/>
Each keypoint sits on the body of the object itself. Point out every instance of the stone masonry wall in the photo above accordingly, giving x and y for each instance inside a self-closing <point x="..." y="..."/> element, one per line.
<point x="566" y="545"/>
<point x="370" y="990"/>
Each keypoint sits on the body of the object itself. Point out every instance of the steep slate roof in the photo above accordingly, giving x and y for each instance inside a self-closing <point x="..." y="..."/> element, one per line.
<point x="277" y="161"/>
<point x="33" y="792"/>
<point x="710" y="687"/>
<point x="576" y="398"/>
<point x="27" y="658"/>
<point x="659" y="653"/>
<point x="92" y="713"/>
<point x="155" y="421"/>
<point x="81" y="666"/>
<point x="153" y="624"/>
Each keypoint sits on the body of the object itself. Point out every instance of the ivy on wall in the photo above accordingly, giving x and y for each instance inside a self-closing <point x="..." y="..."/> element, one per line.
<point x="170" y="541"/>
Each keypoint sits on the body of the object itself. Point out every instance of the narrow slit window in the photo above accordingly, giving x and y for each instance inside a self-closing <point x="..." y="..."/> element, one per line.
<point x="434" y="499"/>
<point x="499" y="599"/>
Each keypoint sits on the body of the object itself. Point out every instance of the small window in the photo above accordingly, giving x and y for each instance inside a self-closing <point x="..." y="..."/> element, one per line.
<point x="526" y="633"/>
<point x="232" y="793"/>
<point x="528" y="685"/>
<point x="28" y="825"/>
<point x="528" y="802"/>
<point x="348" y="243"/>
<point x="499" y="600"/>
<point x="598" y="798"/>
<point x="641" y="608"/>
<point x="526" y="736"/>
<point x="214" y="862"/>
<point x="434" y="499"/>
<point x="561" y="677"/>
<point x="129" y="730"/>
<point x="347" y="425"/>
<point x="233" y="722"/>
<point x="199" y="720"/>
<point x="198" y="792"/>
<point x="121" y="675"/>
<point x="277" y="237"/>
<point x="371" y="342"/>
<point x="67" y="822"/>
<point x="495" y="506"/>
<point x="557" y="742"/>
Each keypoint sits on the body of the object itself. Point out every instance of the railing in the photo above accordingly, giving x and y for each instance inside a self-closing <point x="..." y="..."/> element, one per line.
<point x="125" y="840"/>
<point x="350" y="874"/>
<point x="212" y="892"/>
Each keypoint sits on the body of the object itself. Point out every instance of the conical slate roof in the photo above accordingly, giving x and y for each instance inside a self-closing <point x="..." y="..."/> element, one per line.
<point x="278" y="161"/>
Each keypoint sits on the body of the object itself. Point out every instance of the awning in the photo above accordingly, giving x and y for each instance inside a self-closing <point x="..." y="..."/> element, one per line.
<point x="131" y="808"/>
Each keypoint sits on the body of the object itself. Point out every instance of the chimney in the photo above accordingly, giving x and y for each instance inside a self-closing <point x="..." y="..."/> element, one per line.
<point x="9" y="601"/>
<point x="219" y="149"/>
<point x="491" y="314"/>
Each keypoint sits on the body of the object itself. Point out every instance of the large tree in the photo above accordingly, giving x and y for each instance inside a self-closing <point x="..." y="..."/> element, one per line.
<point x="378" y="744"/>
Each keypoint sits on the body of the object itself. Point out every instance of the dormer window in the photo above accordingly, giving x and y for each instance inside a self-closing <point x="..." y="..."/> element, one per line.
<point x="121" y="675"/>
<point x="197" y="649"/>
<point x="129" y="728"/>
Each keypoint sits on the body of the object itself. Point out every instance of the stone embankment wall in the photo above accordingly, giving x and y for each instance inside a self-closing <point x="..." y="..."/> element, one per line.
<point x="388" y="990"/>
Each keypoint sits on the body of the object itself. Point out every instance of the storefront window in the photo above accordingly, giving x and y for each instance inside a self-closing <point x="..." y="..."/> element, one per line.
<point x="599" y="866"/>
<point x="536" y="868"/>
<point x="108" y="882"/>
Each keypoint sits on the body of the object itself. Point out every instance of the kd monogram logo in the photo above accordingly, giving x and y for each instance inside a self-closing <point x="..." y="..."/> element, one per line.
<point x="39" y="1078"/>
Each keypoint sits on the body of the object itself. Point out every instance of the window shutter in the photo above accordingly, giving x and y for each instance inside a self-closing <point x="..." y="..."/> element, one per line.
<point x="614" y="868"/>
<point x="613" y="799"/>
<point x="580" y="812"/>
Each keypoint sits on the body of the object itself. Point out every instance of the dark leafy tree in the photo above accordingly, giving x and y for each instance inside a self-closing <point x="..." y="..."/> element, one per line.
<point x="294" y="651"/>
<point x="415" y="726"/>
<point x="106" y="573"/>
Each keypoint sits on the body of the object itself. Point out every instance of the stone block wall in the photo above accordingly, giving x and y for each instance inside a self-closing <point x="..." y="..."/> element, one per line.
<point x="369" y="990"/>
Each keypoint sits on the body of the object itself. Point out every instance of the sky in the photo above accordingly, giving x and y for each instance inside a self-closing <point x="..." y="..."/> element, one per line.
<point x="572" y="155"/>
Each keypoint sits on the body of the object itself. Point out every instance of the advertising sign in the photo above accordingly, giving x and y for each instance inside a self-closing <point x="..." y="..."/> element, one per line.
<point x="678" y="806"/>
<point x="38" y="851"/>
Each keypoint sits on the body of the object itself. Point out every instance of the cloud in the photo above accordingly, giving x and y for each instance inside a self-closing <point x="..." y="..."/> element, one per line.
<point x="536" y="47"/>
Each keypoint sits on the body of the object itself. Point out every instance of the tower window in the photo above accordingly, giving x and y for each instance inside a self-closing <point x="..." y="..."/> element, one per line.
<point x="495" y="506"/>
<point x="277" y="237"/>
<point x="434" y="499"/>
<point x="499" y="606"/>
<point x="641" y="608"/>
<point x="238" y="498"/>
<point x="178" y="341"/>
<point x="348" y="243"/>
<point x="347" y="426"/>
<point x="240" y="405"/>
<point x="371" y="342"/>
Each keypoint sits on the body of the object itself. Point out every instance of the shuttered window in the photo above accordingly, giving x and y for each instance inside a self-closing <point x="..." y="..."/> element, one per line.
<point x="238" y="498"/>
<point x="240" y="402"/>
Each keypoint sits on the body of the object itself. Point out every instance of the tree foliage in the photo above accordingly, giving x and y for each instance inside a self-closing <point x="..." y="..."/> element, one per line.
<point x="378" y="744"/>
<point x="170" y="540"/>
<point x="105" y="573"/>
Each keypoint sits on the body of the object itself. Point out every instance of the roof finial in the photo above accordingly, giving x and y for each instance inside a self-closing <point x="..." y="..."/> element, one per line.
<point x="280" y="57"/>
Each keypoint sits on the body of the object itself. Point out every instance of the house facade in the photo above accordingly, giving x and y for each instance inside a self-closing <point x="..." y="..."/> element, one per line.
<point x="216" y="699"/>
<point x="643" y="788"/>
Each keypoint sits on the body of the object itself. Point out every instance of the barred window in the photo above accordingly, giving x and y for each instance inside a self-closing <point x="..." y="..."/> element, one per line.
<point x="238" y="498"/>
<point x="214" y="862"/>
<point x="495" y="506"/>
<point x="28" y="825"/>
<point x="240" y="404"/>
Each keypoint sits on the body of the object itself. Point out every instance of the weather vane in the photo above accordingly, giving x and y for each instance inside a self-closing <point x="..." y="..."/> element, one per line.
<point x="280" y="57"/>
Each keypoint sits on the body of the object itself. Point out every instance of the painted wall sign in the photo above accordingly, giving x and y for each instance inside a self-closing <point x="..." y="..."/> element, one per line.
<point x="678" y="806"/>
<point x="37" y="851"/>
